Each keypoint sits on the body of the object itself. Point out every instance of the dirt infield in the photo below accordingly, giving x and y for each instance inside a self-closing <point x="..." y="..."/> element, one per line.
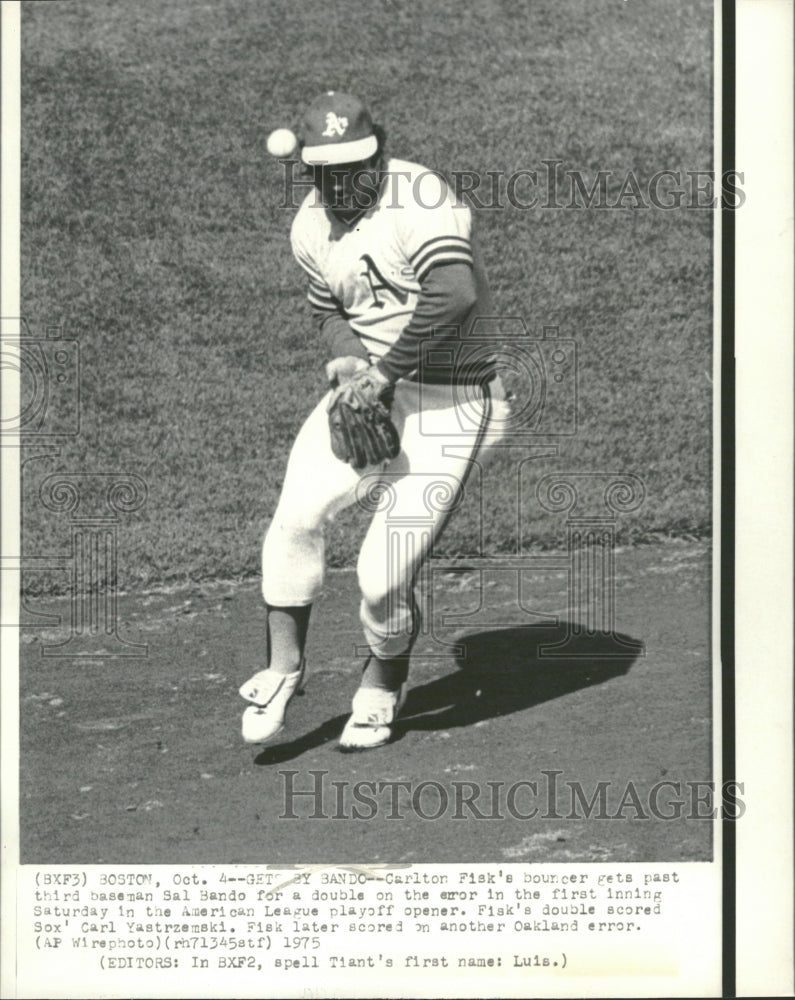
<point x="140" y="760"/>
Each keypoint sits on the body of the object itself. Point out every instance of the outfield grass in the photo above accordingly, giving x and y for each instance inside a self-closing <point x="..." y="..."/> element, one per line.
<point x="151" y="230"/>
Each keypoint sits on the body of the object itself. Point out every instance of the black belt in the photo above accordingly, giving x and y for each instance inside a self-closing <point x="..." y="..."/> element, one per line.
<point x="476" y="375"/>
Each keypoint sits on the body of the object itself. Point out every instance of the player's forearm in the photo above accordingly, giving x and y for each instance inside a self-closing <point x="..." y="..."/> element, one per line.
<point x="338" y="338"/>
<point x="447" y="297"/>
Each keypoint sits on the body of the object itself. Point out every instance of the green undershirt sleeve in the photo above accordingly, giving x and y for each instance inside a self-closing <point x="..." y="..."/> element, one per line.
<point x="447" y="297"/>
<point x="338" y="337"/>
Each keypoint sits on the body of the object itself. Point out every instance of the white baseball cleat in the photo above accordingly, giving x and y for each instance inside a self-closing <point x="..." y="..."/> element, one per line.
<point x="270" y="693"/>
<point x="370" y="725"/>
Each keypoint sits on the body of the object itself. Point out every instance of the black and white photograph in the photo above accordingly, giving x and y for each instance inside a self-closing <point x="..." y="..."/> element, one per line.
<point x="369" y="433"/>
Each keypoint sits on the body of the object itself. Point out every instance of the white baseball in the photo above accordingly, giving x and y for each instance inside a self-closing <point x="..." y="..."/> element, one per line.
<point x="281" y="142"/>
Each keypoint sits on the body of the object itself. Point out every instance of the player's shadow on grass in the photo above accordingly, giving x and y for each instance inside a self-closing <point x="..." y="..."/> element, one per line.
<point x="501" y="671"/>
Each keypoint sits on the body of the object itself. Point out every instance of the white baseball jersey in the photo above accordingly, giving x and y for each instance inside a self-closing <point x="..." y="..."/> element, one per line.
<point x="372" y="269"/>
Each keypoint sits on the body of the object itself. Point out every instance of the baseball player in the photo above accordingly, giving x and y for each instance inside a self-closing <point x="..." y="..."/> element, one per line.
<point x="392" y="272"/>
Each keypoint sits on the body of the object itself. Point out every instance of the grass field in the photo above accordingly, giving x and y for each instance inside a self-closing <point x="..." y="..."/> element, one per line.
<point x="152" y="233"/>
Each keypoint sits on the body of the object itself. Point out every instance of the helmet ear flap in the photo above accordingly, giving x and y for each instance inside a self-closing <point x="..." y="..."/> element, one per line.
<point x="380" y="133"/>
<point x="307" y="170"/>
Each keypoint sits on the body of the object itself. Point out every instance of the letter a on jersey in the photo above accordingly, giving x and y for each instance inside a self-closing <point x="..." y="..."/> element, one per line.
<point x="378" y="281"/>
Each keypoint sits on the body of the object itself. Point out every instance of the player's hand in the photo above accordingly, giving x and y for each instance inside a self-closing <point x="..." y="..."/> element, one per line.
<point x="341" y="370"/>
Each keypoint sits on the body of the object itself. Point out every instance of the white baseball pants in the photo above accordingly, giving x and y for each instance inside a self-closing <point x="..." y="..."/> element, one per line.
<point x="409" y="500"/>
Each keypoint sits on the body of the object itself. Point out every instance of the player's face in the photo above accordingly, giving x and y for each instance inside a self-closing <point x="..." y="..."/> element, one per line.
<point x="348" y="187"/>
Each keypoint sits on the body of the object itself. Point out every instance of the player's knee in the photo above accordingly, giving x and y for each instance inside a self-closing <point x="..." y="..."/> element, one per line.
<point x="291" y="544"/>
<point x="380" y="593"/>
<point x="292" y="564"/>
<point x="290" y="526"/>
<point x="372" y="583"/>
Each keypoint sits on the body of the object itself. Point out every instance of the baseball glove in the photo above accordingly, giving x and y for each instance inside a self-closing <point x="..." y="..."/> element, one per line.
<point x="362" y="432"/>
